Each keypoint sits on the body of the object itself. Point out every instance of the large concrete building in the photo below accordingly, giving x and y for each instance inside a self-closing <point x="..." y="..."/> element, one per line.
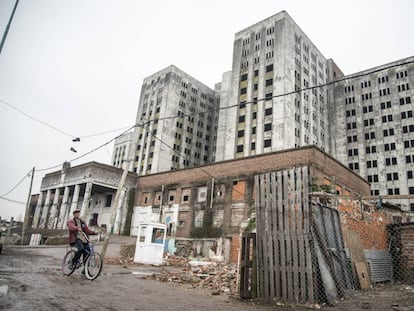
<point x="175" y="123"/>
<point x="274" y="98"/>
<point x="122" y="145"/>
<point x="281" y="93"/>
<point x="374" y="128"/>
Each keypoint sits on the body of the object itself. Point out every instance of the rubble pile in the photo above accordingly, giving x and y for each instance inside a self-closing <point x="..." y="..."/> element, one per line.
<point x="218" y="278"/>
<point x="175" y="261"/>
<point x="119" y="260"/>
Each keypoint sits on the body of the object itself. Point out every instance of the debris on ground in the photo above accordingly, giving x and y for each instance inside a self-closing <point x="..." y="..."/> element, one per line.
<point x="217" y="277"/>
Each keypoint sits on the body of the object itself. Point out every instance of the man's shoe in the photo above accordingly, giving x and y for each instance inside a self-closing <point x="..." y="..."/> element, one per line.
<point x="83" y="271"/>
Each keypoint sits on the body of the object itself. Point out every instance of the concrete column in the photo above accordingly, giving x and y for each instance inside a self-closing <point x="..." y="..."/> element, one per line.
<point x="38" y="209"/>
<point x="63" y="209"/>
<point x="75" y="199"/>
<point x="45" y="211"/>
<point x="86" y="198"/>
<point x="53" y="211"/>
<point x="118" y="217"/>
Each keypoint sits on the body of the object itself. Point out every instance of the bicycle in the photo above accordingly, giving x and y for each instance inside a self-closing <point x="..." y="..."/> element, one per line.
<point x="93" y="263"/>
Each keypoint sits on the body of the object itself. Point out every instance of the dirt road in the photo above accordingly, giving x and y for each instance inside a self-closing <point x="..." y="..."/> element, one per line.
<point x="35" y="282"/>
<point x="31" y="279"/>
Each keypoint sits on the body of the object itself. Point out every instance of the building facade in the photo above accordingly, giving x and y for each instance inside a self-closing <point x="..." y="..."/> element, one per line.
<point x="122" y="145"/>
<point x="175" y="123"/>
<point x="274" y="99"/>
<point x="374" y="128"/>
<point x="89" y="187"/>
<point x="281" y="93"/>
<point x="207" y="207"/>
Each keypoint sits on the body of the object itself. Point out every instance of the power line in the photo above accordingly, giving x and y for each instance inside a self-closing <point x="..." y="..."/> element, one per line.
<point x="36" y="119"/>
<point x="236" y="105"/>
<point x="56" y="129"/>
<point x="284" y="94"/>
<point x="197" y="167"/>
<point x="12" y="201"/>
<point x="105" y="132"/>
<point x="89" y="152"/>
<point x="25" y="176"/>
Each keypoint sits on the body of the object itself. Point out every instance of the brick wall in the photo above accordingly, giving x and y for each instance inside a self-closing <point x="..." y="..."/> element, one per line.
<point x="321" y="165"/>
<point x="369" y="223"/>
<point x="234" y="187"/>
<point x="234" y="249"/>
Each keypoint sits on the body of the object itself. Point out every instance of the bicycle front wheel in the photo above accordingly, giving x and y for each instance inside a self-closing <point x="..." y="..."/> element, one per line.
<point x="93" y="266"/>
<point x="67" y="266"/>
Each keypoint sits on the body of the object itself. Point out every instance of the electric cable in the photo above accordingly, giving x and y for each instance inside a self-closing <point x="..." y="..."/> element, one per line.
<point x="36" y="119"/>
<point x="12" y="201"/>
<point x="89" y="152"/>
<point x="102" y="133"/>
<point x="351" y="77"/>
<point x="25" y="176"/>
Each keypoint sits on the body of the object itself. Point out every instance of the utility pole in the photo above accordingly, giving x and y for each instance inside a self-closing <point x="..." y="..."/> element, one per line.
<point x="26" y="214"/>
<point x="113" y="212"/>
<point x="6" y="31"/>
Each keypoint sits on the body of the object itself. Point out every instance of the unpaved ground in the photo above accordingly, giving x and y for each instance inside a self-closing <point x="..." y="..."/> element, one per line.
<point x="35" y="282"/>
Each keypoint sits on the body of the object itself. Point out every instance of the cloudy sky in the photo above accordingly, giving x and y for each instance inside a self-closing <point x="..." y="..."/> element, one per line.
<point x="77" y="66"/>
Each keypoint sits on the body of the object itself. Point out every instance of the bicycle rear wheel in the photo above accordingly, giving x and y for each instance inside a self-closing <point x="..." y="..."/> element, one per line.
<point x="93" y="266"/>
<point x="67" y="266"/>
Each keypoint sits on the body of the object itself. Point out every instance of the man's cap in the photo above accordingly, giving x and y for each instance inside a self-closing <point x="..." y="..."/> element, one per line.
<point x="76" y="211"/>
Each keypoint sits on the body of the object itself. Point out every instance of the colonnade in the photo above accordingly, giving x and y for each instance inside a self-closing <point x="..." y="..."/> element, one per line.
<point x="52" y="215"/>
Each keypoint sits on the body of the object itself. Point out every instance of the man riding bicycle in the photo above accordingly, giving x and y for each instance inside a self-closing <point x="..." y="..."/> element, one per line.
<point x="78" y="236"/>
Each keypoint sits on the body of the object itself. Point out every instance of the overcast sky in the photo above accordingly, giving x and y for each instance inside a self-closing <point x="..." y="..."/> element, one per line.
<point x="79" y="65"/>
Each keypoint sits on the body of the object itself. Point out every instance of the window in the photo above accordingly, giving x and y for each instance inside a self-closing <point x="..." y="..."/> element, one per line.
<point x="239" y="148"/>
<point x="268" y="111"/>
<point x="371" y="149"/>
<point x="372" y="178"/>
<point x="390" y="161"/>
<point x="243" y="91"/>
<point x="388" y="132"/>
<point x="352" y="152"/>
<point x="269" y="96"/>
<point x="267" y="143"/>
<point x="269" y="68"/>
<point x="390" y="146"/>
<point x="409" y="143"/>
<point x="108" y="200"/>
<point x="353" y="166"/>
<point x="268" y="127"/>
<point x="241" y="119"/>
<point x="240" y="133"/>
<point x="243" y="77"/>
<point x="269" y="82"/>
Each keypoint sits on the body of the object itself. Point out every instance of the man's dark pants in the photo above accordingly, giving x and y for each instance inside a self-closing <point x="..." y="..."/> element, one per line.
<point x="83" y="249"/>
